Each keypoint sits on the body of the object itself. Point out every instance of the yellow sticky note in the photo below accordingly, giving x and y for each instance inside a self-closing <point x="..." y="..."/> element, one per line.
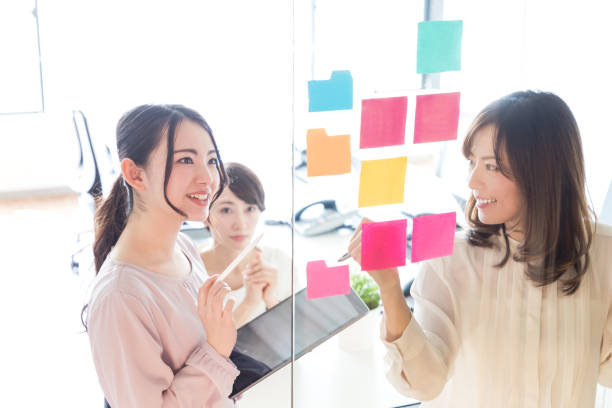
<point x="382" y="181"/>
<point x="327" y="155"/>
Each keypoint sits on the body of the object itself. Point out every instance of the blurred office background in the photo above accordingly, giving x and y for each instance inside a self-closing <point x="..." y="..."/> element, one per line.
<point x="244" y="65"/>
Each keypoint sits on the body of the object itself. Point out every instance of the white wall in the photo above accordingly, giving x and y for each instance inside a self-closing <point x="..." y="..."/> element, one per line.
<point x="556" y="46"/>
<point x="231" y="61"/>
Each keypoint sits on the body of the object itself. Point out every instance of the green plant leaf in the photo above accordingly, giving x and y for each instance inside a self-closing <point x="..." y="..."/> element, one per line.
<point x="366" y="288"/>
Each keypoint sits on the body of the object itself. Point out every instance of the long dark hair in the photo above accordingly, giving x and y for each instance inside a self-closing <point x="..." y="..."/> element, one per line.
<point x="542" y="142"/>
<point x="139" y="132"/>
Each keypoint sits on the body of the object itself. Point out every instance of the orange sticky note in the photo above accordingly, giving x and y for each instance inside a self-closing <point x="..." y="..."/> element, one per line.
<point x="382" y="181"/>
<point x="327" y="155"/>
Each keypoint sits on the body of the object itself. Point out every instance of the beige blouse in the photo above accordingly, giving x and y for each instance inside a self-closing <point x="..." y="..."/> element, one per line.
<point x="278" y="259"/>
<point x="486" y="337"/>
<point x="272" y="256"/>
<point x="148" y="343"/>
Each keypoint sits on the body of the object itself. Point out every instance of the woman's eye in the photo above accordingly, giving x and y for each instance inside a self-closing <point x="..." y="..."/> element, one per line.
<point x="492" y="167"/>
<point x="251" y="208"/>
<point x="214" y="161"/>
<point x="226" y="210"/>
<point x="186" y="160"/>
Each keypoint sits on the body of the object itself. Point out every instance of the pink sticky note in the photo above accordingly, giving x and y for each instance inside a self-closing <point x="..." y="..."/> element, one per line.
<point x="383" y="122"/>
<point x="322" y="281"/>
<point x="433" y="236"/>
<point x="383" y="244"/>
<point x="437" y="117"/>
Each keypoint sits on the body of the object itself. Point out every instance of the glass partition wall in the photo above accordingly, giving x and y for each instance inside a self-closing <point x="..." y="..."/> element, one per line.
<point x="290" y="89"/>
<point x="365" y="52"/>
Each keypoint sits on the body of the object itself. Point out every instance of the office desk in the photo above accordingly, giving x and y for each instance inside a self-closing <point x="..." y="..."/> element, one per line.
<point x="330" y="375"/>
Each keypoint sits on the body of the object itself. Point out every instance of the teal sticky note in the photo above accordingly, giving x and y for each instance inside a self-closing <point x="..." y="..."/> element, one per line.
<point x="333" y="94"/>
<point x="439" y="46"/>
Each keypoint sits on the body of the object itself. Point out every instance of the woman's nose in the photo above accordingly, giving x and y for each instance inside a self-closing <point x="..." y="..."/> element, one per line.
<point x="205" y="175"/>
<point x="239" y="221"/>
<point x="474" y="181"/>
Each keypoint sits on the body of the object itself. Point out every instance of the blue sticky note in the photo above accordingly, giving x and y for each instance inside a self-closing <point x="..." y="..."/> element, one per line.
<point x="333" y="94"/>
<point x="439" y="46"/>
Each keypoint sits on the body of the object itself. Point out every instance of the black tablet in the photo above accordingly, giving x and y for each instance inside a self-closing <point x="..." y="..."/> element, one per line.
<point x="264" y="343"/>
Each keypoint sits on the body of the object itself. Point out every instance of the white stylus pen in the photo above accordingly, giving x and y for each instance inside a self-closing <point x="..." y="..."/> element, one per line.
<point x="240" y="257"/>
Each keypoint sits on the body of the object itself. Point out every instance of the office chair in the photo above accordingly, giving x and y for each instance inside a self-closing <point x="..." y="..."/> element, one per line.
<point x="95" y="170"/>
<point x="89" y="180"/>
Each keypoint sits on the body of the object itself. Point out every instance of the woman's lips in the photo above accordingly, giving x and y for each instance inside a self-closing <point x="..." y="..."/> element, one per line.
<point x="201" y="203"/>
<point x="485" y="204"/>
<point x="239" y="238"/>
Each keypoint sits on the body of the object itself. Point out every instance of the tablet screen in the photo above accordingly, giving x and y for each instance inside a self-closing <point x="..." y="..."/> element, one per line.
<point x="264" y="344"/>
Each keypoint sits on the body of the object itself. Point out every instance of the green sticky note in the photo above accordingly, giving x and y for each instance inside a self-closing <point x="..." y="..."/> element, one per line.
<point x="439" y="46"/>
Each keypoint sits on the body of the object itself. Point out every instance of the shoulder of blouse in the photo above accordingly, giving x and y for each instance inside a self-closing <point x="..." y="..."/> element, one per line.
<point x="280" y="260"/>
<point x="462" y="249"/>
<point x="465" y="259"/>
<point x="187" y="244"/>
<point x="601" y="247"/>
<point x="602" y="240"/>
<point x="117" y="279"/>
<point x="274" y="254"/>
<point x="603" y="231"/>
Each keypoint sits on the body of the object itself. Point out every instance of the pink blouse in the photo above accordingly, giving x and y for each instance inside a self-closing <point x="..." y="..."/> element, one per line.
<point x="148" y="344"/>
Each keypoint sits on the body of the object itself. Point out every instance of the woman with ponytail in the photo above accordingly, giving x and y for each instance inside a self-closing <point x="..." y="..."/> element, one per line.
<point x="160" y="334"/>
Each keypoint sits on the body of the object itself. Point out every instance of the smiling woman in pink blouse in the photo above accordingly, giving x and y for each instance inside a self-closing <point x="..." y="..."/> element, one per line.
<point x="520" y="315"/>
<point x="159" y="333"/>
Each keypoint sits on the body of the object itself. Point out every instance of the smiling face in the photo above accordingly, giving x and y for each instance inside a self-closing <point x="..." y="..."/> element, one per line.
<point x="498" y="198"/>
<point x="194" y="178"/>
<point x="233" y="221"/>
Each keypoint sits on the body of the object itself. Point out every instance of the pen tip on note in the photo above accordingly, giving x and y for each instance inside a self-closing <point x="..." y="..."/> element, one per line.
<point x="344" y="257"/>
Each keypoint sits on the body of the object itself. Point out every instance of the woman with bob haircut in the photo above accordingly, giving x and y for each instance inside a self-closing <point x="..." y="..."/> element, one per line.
<point x="263" y="278"/>
<point x="520" y="314"/>
<point x="159" y="331"/>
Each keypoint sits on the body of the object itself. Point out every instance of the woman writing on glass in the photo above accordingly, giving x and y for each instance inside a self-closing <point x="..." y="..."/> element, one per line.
<point x="520" y="314"/>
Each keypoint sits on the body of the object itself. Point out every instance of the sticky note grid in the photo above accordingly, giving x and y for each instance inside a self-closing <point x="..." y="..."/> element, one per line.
<point x="382" y="181"/>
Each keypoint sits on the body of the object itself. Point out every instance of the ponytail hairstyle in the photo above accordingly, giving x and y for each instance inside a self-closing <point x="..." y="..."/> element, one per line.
<point x="542" y="142"/>
<point x="139" y="132"/>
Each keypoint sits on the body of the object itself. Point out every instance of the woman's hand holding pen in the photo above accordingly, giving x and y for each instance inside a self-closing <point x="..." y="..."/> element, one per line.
<point x="253" y="291"/>
<point x="260" y="273"/>
<point x="217" y="320"/>
<point x="397" y="312"/>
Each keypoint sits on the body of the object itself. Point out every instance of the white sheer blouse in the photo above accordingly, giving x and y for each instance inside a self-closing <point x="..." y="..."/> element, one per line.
<point x="487" y="337"/>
